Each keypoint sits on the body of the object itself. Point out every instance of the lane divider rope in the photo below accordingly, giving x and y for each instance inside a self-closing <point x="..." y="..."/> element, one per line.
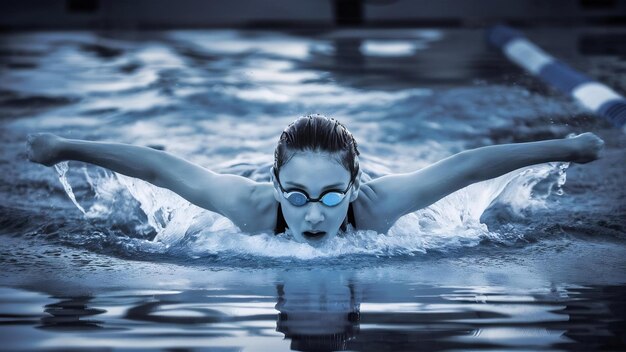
<point x="593" y="95"/>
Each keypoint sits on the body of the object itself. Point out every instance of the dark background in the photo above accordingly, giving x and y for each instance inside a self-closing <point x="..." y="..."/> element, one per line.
<point x="165" y="14"/>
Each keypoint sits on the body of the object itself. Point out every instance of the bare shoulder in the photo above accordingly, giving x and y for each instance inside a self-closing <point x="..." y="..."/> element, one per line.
<point x="370" y="210"/>
<point x="254" y="210"/>
<point x="384" y="200"/>
<point x="247" y="203"/>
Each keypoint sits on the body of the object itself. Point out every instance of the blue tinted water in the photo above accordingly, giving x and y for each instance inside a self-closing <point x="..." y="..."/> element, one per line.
<point x="532" y="260"/>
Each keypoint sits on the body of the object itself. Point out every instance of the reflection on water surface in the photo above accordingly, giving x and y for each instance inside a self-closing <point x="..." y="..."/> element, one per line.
<point x="328" y="315"/>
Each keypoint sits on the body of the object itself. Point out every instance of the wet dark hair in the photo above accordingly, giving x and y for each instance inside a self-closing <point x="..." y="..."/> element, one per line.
<point x="317" y="133"/>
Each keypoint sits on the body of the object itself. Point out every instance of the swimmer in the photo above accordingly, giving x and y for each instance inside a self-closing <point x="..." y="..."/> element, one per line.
<point x="316" y="188"/>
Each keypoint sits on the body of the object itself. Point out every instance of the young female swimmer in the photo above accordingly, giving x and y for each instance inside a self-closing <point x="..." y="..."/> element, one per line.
<point x="316" y="187"/>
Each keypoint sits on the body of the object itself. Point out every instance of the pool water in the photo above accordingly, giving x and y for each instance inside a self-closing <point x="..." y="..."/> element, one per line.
<point x="92" y="260"/>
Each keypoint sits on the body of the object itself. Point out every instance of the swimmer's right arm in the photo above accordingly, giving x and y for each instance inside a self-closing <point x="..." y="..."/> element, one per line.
<point x="220" y="193"/>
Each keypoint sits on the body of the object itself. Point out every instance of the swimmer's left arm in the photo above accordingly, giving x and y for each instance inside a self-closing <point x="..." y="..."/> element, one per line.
<point x="492" y="161"/>
<point x="401" y="194"/>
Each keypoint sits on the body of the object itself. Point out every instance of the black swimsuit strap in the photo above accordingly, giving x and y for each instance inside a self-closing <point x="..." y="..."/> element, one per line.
<point x="281" y="224"/>
<point x="351" y="219"/>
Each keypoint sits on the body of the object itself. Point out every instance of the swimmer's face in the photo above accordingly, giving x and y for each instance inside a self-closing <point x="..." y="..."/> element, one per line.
<point x="314" y="173"/>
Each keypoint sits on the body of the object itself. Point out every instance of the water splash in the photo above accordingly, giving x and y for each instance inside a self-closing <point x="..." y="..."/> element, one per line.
<point x="451" y="223"/>
<point x="61" y="169"/>
<point x="458" y="219"/>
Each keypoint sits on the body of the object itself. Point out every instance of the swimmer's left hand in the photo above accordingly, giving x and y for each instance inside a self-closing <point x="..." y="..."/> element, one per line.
<point x="587" y="147"/>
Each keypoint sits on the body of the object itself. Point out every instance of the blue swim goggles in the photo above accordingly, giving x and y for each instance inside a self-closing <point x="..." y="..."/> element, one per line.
<point x="329" y="198"/>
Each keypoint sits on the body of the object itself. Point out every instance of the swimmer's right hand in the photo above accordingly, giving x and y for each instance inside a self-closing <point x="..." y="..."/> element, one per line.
<point x="43" y="148"/>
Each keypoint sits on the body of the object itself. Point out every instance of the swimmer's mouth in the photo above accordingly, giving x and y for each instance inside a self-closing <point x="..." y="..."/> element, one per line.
<point x="314" y="234"/>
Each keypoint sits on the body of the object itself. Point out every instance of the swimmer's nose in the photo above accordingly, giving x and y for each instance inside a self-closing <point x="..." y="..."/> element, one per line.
<point x="314" y="214"/>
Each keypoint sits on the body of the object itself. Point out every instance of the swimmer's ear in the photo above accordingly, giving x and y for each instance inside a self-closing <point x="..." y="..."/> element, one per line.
<point x="275" y="183"/>
<point x="356" y="187"/>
